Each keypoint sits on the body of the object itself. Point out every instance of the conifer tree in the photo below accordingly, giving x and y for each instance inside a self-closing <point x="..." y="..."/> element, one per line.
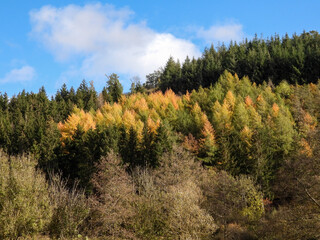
<point x="114" y="87"/>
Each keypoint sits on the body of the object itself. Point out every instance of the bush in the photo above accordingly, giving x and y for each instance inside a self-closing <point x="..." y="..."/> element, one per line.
<point x="170" y="198"/>
<point x="150" y="219"/>
<point x="24" y="198"/>
<point x="234" y="201"/>
<point x="111" y="204"/>
<point x="70" y="208"/>
<point x="187" y="219"/>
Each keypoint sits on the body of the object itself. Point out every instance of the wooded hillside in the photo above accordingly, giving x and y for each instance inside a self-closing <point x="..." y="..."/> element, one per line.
<point x="218" y="156"/>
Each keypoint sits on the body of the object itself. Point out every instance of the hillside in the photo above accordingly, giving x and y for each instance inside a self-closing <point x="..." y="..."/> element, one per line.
<point x="236" y="159"/>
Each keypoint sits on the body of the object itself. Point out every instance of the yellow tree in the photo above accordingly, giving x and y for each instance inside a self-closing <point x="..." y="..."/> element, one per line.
<point x="77" y="118"/>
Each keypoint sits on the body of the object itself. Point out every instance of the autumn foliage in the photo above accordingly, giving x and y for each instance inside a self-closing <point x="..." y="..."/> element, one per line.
<point x="236" y="160"/>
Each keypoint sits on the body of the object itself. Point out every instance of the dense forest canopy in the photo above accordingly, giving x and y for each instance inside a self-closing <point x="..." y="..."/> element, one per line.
<point x="294" y="59"/>
<point x="221" y="147"/>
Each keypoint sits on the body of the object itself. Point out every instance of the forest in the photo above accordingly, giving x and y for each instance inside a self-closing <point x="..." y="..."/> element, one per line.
<point x="221" y="147"/>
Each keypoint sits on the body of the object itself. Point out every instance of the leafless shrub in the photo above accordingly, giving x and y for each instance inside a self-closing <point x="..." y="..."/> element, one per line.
<point x="176" y="167"/>
<point x="70" y="208"/>
<point x="169" y="200"/>
<point x="111" y="205"/>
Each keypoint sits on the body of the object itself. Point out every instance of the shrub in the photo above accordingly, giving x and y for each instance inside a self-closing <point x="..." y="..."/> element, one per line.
<point x="24" y="198"/>
<point x="111" y="204"/>
<point x="187" y="219"/>
<point x="170" y="199"/>
<point x="234" y="201"/>
<point x="150" y="219"/>
<point x="70" y="208"/>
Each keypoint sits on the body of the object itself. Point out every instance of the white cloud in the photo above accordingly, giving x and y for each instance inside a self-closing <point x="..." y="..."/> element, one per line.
<point x="222" y="33"/>
<point x="23" y="74"/>
<point x="107" y="40"/>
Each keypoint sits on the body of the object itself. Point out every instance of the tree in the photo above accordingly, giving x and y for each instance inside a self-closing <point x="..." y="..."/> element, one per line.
<point x="170" y="76"/>
<point x="112" y="208"/>
<point x="136" y="85"/>
<point x="153" y="79"/>
<point x="187" y="75"/>
<point x="114" y="87"/>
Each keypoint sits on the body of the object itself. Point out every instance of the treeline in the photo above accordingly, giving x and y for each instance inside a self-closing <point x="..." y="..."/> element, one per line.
<point x="235" y="160"/>
<point x="28" y="121"/>
<point x="295" y="59"/>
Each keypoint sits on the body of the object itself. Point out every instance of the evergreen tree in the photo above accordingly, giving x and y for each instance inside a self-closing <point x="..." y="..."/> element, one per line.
<point x="170" y="76"/>
<point x="114" y="87"/>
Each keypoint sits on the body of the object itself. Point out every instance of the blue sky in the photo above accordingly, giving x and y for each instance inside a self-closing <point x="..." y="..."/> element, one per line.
<point x="48" y="43"/>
